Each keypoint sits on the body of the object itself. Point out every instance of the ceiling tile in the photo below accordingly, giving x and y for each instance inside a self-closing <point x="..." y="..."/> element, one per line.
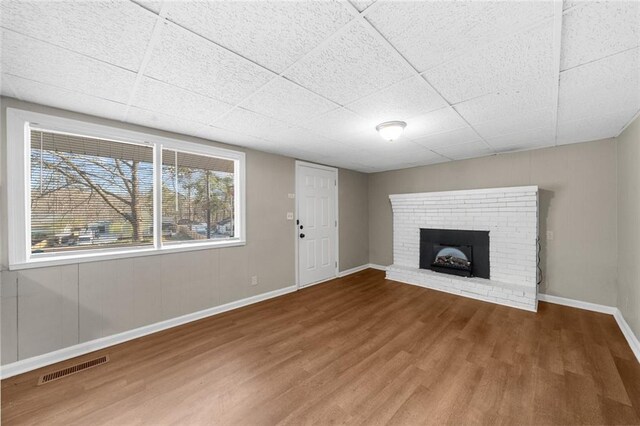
<point x="31" y="91"/>
<point x="525" y="60"/>
<point x="401" y="101"/>
<point x="299" y="154"/>
<point x="379" y="163"/>
<point x="326" y="148"/>
<point x="249" y="123"/>
<point x="181" y="126"/>
<point x="447" y="139"/>
<point x="161" y="97"/>
<point x="41" y="62"/>
<point x="286" y="101"/>
<point x="227" y="136"/>
<point x="442" y="120"/>
<point x="507" y="103"/>
<point x="252" y="124"/>
<point x="347" y="159"/>
<point x="510" y="111"/>
<point x="350" y="66"/>
<point x="568" y="4"/>
<point x="361" y="4"/>
<point x="594" y="127"/>
<point x="598" y="29"/>
<point x="339" y="124"/>
<point x="600" y="87"/>
<point x="516" y="123"/>
<point x="465" y="150"/>
<point x="152" y="5"/>
<point x="186" y="60"/>
<point x="523" y="140"/>
<point x="113" y="31"/>
<point x="428" y="33"/>
<point x="370" y="145"/>
<point x="166" y="122"/>
<point x="273" y="34"/>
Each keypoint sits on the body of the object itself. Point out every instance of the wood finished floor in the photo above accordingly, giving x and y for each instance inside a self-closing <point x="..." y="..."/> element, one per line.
<point x="356" y="350"/>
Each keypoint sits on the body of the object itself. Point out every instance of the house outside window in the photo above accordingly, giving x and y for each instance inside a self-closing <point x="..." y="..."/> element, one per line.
<point x="83" y="192"/>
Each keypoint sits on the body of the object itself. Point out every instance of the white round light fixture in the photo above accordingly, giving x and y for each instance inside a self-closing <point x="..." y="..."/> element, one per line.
<point x="391" y="130"/>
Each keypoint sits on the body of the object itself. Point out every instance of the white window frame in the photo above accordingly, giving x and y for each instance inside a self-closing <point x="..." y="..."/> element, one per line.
<point x="19" y="123"/>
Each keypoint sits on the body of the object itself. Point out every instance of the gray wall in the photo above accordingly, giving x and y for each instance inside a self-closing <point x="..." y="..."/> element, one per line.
<point x="578" y="204"/>
<point x="353" y="199"/>
<point x="581" y="203"/>
<point x="49" y="308"/>
<point x="629" y="225"/>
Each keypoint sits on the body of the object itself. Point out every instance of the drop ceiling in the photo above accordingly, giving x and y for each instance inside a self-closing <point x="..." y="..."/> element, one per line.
<point x="312" y="79"/>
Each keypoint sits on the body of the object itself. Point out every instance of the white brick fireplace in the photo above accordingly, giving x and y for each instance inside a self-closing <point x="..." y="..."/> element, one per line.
<point x="511" y="217"/>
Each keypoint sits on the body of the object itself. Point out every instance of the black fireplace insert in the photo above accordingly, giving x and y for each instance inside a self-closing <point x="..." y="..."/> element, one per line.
<point x="456" y="252"/>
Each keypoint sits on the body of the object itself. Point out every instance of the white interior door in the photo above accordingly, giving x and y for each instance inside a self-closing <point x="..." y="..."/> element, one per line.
<point x="316" y="224"/>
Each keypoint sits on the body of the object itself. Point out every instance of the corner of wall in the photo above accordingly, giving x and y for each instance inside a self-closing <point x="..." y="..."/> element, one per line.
<point x="628" y="235"/>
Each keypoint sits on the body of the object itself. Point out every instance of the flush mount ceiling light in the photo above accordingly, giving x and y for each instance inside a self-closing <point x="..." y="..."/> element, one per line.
<point x="391" y="130"/>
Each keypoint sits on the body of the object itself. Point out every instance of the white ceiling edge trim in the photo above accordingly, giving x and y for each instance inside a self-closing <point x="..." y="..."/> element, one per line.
<point x="10" y="86"/>
<point x="155" y="37"/>
<point x="63" y="89"/>
<point x="557" y="61"/>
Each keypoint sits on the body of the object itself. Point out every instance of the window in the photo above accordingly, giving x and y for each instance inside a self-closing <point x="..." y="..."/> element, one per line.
<point x="197" y="197"/>
<point x="89" y="193"/>
<point x="79" y="191"/>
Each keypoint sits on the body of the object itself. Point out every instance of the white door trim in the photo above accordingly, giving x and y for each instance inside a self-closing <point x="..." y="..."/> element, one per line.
<point x="295" y="229"/>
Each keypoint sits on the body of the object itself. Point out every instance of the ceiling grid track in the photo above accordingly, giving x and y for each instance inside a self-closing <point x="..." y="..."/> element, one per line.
<point x="557" y="51"/>
<point x="358" y="43"/>
<point x="281" y="74"/>
<point x="497" y="40"/>
<point x="155" y="36"/>
<point x="324" y="42"/>
<point x="416" y="73"/>
<point x="358" y="16"/>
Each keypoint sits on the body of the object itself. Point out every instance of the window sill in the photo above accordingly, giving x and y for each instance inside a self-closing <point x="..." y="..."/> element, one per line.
<point x="121" y="254"/>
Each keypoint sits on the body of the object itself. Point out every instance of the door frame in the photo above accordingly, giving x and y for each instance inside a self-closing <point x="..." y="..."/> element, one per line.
<point x="300" y="163"/>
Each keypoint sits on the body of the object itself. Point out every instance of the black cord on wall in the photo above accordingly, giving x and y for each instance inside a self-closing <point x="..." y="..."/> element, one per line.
<point x="540" y="276"/>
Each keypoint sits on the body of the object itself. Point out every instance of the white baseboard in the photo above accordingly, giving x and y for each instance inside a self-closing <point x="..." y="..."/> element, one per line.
<point x="39" y="361"/>
<point x="300" y="287"/>
<point x="352" y="270"/>
<point x="628" y="333"/>
<point x="378" y="267"/>
<point x="361" y="268"/>
<point x="577" y="304"/>
<point x="63" y="354"/>
<point x="632" y="339"/>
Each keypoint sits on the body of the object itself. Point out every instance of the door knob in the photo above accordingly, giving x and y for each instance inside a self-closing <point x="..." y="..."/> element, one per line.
<point x="301" y="235"/>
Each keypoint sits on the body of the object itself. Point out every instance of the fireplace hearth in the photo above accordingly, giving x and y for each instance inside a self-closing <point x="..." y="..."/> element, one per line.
<point x="427" y="222"/>
<point x="456" y="252"/>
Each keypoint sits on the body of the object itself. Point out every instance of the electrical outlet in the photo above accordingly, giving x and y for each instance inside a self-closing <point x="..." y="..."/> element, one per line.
<point x="549" y="235"/>
<point x="254" y="280"/>
<point x="292" y="195"/>
<point x="289" y="215"/>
